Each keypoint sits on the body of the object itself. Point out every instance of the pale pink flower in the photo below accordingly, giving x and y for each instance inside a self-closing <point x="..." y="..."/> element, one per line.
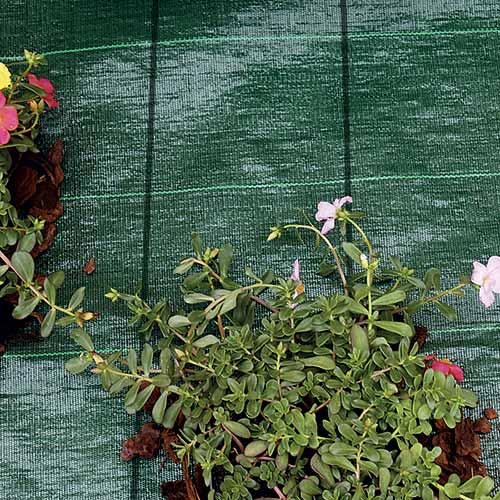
<point x="447" y="367"/>
<point x="488" y="278"/>
<point x="8" y="120"/>
<point x="296" y="271"/>
<point x="44" y="84"/>
<point x="295" y="276"/>
<point x="328" y="212"/>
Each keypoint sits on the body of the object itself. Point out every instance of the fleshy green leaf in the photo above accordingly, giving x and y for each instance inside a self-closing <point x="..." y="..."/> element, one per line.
<point x="24" y="265"/>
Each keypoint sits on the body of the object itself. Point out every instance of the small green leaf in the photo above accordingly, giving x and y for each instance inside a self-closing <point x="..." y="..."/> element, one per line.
<point x="255" y="448"/>
<point x="197" y="298"/>
<point x="76" y="298"/>
<point x="324" y="362"/>
<point x="294" y="376"/>
<point x="24" y="309"/>
<point x="309" y="487"/>
<point x="161" y="380"/>
<point x="432" y="279"/>
<point x="50" y="291"/>
<point x="447" y="311"/>
<point x="76" y="365"/>
<point x="82" y="338"/>
<point x="48" y="323"/>
<point x="396" y="327"/>
<point x="178" y="321"/>
<point x="171" y="414"/>
<point x="27" y="243"/>
<point x="147" y="358"/>
<point x="56" y="278"/>
<point x="132" y="360"/>
<point x="225" y="259"/>
<point x="184" y="266"/>
<point x="24" y="265"/>
<point x="132" y="393"/>
<point x="390" y="298"/>
<point x="159" y="408"/>
<point x="352" y="251"/>
<point x="206" y="341"/>
<point x="142" y="397"/>
<point x="237" y="429"/>
<point x="384" y="477"/>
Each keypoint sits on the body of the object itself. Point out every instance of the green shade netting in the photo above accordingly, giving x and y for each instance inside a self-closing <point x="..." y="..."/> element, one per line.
<point x="226" y="117"/>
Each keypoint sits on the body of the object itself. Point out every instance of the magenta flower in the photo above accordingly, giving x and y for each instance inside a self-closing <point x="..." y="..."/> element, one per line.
<point x="446" y="366"/>
<point x="46" y="85"/>
<point x="296" y="271"/>
<point x="328" y="212"/>
<point x="8" y="120"/>
<point x="488" y="278"/>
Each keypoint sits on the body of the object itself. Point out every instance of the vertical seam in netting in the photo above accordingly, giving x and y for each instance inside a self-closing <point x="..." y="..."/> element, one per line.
<point x="146" y="239"/>
<point x="345" y="102"/>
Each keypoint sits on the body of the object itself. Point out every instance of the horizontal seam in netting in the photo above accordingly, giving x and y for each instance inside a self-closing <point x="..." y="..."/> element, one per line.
<point x="241" y="187"/>
<point x="221" y="39"/>
<point x="465" y="329"/>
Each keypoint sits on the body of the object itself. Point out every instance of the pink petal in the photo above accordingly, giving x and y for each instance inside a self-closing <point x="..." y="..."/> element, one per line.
<point x="8" y="118"/>
<point x="3" y="100"/>
<point x="486" y="296"/>
<point x="479" y="273"/>
<point x="46" y="85"/>
<point x="457" y="373"/>
<point x="328" y="226"/>
<point x="343" y="201"/>
<point x="325" y="211"/>
<point x="439" y="366"/>
<point x="493" y="262"/>
<point x="296" y="271"/>
<point x="4" y="136"/>
<point x="51" y="101"/>
<point x="33" y="80"/>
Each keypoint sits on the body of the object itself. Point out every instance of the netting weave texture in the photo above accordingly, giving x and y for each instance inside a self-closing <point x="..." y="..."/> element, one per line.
<point x="225" y="117"/>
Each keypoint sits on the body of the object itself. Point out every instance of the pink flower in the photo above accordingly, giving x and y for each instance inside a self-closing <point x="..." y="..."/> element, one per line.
<point x="8" y="120"/>
<point x="488" y="278"/>
<point x="328" y="212"/>
<point x="296" y="271"/>
<point x="446" y="366"/>
<point x="46" y="85"/>
<point x="299" y="289"/>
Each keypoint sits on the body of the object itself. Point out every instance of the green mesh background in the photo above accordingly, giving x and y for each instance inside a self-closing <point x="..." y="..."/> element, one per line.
<point x="226" y="116"/>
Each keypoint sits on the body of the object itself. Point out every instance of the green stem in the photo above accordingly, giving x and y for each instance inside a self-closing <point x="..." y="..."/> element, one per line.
<point x="19" y="80"/>
<point x="369" y="281"/>
<point x="436" y="297"/>
<point x="363" y="235"/>
<point x="128" y="375"/>
<point x="332" y="249"/>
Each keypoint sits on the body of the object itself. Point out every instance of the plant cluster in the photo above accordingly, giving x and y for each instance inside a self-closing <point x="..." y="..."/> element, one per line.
<point x="29" y="197"/>
<point x="320" y="398"/>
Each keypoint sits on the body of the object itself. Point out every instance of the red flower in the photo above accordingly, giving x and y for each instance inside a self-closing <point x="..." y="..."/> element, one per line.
<point x="46" y="85"/>
<point x="446" y="366"/>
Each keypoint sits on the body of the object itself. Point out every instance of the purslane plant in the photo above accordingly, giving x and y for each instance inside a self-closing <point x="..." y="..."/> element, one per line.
<point x="312" y="398"/>
<point x="24" y="98"/>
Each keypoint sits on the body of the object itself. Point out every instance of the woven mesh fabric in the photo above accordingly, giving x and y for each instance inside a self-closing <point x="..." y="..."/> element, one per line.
<point x="225" y="117"/>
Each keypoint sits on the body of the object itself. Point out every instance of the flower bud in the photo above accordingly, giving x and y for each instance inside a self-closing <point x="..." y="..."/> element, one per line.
<point x="275" y="233"/>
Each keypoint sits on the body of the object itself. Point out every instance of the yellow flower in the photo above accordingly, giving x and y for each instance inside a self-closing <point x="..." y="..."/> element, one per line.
<point x="4" y="76"/>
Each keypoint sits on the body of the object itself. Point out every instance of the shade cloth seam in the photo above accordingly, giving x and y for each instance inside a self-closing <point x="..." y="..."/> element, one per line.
<point x="242" y="187"/>
<point x="440" y="331"/>
<point x="222" y="39"/>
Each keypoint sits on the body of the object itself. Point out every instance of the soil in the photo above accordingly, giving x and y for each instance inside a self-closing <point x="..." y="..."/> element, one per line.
<point x="89" y="266"/>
